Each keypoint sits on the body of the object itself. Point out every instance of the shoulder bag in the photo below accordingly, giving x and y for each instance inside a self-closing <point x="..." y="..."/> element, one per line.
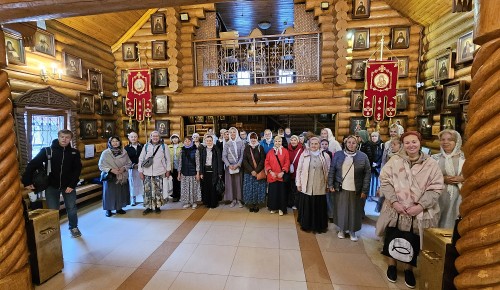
<point x="292" y="167"/>
<point x="340" y="183"/>
<point x="401" y="245"/>
<point x="237" y="170"/>
<point x="149" y="161"/>
<point x="262" y="174"/>
<point x="286" y="175"/>
<point x="41" y="174"/>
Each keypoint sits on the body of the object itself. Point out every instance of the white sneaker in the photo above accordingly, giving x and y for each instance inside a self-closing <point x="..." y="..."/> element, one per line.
<point x="272" y="211"/>
<point x="294" y="207"/>
<point x="341" y="235"/>
<point x="233" y="203"/>
<point x="195" y="205"/>
<point x="187" y="205"/>
<point x="280" y="212"/>
<point x="240" y="205"/>
<point x="354" y="238"/>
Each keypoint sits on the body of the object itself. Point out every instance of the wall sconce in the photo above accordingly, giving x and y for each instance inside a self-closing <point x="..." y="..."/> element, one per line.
<point x="325" y="5"/>
<point x="55" y="73"/>
<point x="184" y="16"/>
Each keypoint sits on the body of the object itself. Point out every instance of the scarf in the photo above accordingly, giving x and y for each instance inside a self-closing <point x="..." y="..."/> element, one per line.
<point x="277" y="149"/>
<point x="449" y="168"/>
<point x="115" y="150"/>
<point x="268" y="140"/>
<point x="187" y="147"/>
<point x="253" y="144"/>
<point x="315" y="153"/>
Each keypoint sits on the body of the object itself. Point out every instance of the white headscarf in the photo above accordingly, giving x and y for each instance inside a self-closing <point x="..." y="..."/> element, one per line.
<point x="250" y="140"/>
<point x="276" y="148"/>
<point x="268" y="141"/>
<point x="333" y="144"/>
<point x="448" y="159"/>
<point x="235" y="140"/>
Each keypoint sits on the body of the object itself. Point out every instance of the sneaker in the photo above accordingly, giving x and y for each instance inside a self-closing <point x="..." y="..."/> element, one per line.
<point x="280" y="212"/>
<point x="341" y="235"/>
<point x="272" y="211"/>
<point x="157" y="210"/>
<point x="240" y="205"/>
<point x="194" y="206"/>
<point x="255" y="209"/>
<point x="354" y="238"/>
<point x="233" y="203"/>
<point x="108" y="213"/>
<point x="147" y="211"/>
<point x="75" y="233"/>
<point x="187" y="205"/>
<point x="121" y="211"/>
<point x="409" y="279"/>
<point x="294" y="207"/>
<point x="392" y="274"/>
<point x="133" y="201"/>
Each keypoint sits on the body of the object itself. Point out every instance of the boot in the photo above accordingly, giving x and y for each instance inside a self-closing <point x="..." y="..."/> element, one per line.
<point x="133" y="201"/>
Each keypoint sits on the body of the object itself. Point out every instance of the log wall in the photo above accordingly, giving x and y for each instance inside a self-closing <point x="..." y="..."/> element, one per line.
<point x="438" y="37"/>
<point x="94" y="55"/>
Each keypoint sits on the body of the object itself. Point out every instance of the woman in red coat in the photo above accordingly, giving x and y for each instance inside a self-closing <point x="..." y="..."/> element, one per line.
<point x="277" y="164"/>
<point x="295" y="149"/>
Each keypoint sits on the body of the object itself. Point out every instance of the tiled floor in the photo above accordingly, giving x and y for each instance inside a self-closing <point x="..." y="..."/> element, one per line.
<point x="222" y="248"/>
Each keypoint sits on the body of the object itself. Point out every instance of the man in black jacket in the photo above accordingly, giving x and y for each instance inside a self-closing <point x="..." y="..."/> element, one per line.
<point x="64" y="175"/>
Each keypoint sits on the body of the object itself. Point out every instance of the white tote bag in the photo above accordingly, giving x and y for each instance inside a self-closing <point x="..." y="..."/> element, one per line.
<point x="168" y="187"/>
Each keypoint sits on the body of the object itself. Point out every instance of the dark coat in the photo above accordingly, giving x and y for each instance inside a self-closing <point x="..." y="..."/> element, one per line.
<point x="188" y="156"/>
<point x="375" y="151"/>
<point x="134" y="154"/>
<point x="66" y="166"/>
<point x="258" y="154"/>
<point x="362" y="172"/>
<point x="217" y="165"/>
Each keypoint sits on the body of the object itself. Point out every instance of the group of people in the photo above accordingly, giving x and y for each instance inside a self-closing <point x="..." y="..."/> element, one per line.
<point x="314" y="174"/>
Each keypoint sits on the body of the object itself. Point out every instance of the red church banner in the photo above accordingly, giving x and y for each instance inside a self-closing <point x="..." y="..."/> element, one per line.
<point x="138" y="101"/>
<point x="380" y="89"/>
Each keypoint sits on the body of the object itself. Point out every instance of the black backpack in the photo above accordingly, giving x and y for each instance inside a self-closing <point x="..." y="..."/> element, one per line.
<point x="41" y="174"/>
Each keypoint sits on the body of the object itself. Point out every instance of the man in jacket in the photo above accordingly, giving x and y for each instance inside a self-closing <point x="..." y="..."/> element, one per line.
<point x="64" y="175"/>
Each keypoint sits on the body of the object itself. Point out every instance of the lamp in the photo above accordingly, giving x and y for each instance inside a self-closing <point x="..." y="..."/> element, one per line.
<point x="55" y="73"/>
<point x="264" y="25"/>
<point x="325" y="5"/>
<point x="184" y="16"/>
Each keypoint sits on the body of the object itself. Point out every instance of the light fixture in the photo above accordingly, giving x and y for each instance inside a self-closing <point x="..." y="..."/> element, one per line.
<point x="55" y="73"/>
<point x="184" y="16"/>
<point x="325" y="5"/>
<point x="264" y="25"/>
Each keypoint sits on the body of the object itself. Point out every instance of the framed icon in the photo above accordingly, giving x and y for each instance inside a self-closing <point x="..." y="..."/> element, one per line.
<point x="465" y="48"/>
<point x="161" y="104"/>
<point x="88" y="129"/>
<point x="130" y="126"/>
<point x="108" y="128"/>
<point x="86" y="103"/>
<point x="449" y="121"/>
<point x="129" y="51"/>
<point x="403" y="65"/>
<point x="357" y="100"/>
<point x="443" y="68"/>
<point x="401" y="120"/>
<point x="163" y="127"/>
<point x="14" y="48"/>
<point x="158" y="49"/>
<point x="402" y="99"/>
<point x="431" y="99"/>
<point x="158" y="23"/>
<point x="72" y="65"/>
<point x="452" y="94"/>
<point x="360" y="9"/>
<point x="400" y="37"/>
<point x="190" y="130"/>
<point x="199" y="119"/>
<point x="358" y="68"/>
<point x="94" y="82"/>
<point x="424" y="126"/>
<point x="356" y="124"/>
<point x="210" y="119"/>
<point x="361" y="39"/>
<point x="160" y="77"/>
<point x="107" y="106"/>
<point x="44" y="43"/>
<point x="124" y="78"/>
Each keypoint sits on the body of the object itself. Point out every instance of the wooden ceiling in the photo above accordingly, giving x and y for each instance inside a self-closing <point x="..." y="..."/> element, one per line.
<point x="107" y="28"/>
<point x="424" y="12"/>
<point x="243" y="16"/>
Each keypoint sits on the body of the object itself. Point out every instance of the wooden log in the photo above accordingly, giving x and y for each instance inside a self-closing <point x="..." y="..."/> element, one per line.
<point x="257" y="110"/>
<point x="61" y="28"/>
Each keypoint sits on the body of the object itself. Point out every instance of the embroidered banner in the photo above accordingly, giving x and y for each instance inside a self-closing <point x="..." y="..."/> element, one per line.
<point x="138" y="101"/>
<point x="380" y="89"/>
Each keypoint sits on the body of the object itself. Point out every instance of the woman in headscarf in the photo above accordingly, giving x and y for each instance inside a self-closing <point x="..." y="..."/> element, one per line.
<point x="224" y="137"/>
<point x="189" y="174"/>
<point x="333" y="144"/>
<point x="411" y="182"/>
<point x="362" y="137"/>
<point x="196" y="140"/>
<point x="153" y="175"/>
<point x="277" y="164"/>
<point x="312" y="182"/>
<point x="211" y="169"/>
<point x="115" y="192"/>
<point x="295" y="149"/>
<point x="267" y="143"/>
<point x="232" y="156"/>
<point x="349" y="180"/>
<point x="254" y="191"/>
<point x="134" y="149"/>
<point x="451" y="160"/>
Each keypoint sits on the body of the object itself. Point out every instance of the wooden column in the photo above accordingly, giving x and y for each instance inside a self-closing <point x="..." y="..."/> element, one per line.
<point x="14" y="266"/>
<point x="479" y="245"/>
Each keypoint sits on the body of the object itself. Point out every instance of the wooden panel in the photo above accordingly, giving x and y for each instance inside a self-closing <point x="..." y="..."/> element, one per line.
<point x="424" y="12"/>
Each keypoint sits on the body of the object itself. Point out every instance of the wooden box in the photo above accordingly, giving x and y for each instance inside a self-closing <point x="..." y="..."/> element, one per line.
<point x="432" y="257"/>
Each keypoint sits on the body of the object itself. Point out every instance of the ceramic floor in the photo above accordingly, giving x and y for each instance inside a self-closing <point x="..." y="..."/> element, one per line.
<point x="222" y="248"/>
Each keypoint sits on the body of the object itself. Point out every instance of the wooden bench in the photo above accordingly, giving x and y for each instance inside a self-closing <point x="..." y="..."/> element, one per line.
<point x="83" y="193"/>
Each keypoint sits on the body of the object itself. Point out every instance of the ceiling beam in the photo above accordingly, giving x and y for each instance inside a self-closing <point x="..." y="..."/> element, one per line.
<point x="33" y="10"/>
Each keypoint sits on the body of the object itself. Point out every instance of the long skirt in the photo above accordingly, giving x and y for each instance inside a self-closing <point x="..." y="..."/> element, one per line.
<point x="176" y="194"/>
<point x="136" y="186"/>
<point x="449" y="209"/>
<point x="153" y="191"/>
<point x="313" y="213"/>
<point x="277" y="196"/>
<point x="374" y="183"/>
<point x="233" y="185"/>
<point x="293" y="196"/>
<point x="254" y="191"/>
<point x="209" y="195"/>
<point x="329" y="204"/>
<point x="190" y="190"/>
<point x="115" y="196"/>
<point x="348" y="211"/>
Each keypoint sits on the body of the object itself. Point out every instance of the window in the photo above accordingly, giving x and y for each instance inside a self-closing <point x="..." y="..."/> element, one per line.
<point x="243" y="78"/>
<point x="42" y="128"/>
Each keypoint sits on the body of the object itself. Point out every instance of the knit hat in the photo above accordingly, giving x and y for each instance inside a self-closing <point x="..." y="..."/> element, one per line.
<point x="174" y="136"/>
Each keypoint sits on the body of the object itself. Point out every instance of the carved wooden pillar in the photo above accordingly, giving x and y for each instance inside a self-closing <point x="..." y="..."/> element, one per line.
<point x="14" y="266"/>
<point x="479" y="245"/>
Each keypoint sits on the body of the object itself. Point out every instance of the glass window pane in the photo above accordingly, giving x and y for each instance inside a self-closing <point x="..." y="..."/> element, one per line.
<point x="44" y="129"/>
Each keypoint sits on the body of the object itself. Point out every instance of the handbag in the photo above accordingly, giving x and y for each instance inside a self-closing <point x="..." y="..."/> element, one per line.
<point x="168" y="187"/>
<point x="41" y="175"/>
<point x="149" y="161"/>
<point x="237" y="170"/>
<point x="401" y="245"/>
<point x="107" y="176"/>
<point x="292" y="167"/>
<point x="261" y="174"/>
<point x="220" y="187"/>
<point x="286" y="176"/>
